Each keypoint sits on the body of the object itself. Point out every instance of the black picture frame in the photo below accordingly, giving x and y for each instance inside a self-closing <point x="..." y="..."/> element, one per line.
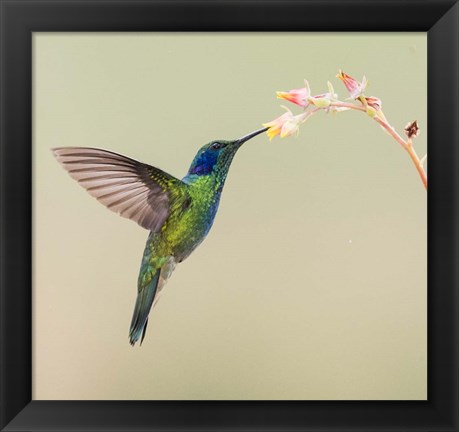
<point x="19" y="18"/>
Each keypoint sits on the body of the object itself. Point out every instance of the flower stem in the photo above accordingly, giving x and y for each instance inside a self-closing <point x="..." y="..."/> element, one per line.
<point x="407" y="145"/>
<point x="417" y="163"/>
<point x="340" y="104"/>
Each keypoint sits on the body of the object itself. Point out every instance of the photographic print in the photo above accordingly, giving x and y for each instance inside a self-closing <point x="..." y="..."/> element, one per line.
<point x="276" y="181"/>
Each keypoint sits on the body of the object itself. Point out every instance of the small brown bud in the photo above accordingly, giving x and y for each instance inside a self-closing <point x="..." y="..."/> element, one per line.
<point x="412" y="129"/>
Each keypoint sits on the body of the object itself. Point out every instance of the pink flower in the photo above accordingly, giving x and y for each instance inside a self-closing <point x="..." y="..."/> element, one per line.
<point x="303" y="98"/>
<point x="297" y="96"/>
<point x="374" y="102"/>
<point x="354" y="87"/>
<point x="285" y="125"/>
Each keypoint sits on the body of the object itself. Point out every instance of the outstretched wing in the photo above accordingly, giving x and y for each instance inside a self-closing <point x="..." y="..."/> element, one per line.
<point x="134" y="190"/>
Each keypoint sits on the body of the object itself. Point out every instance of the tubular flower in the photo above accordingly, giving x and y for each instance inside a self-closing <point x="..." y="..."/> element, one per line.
<point x="285" y="125"/>
<point x="303" y="98"/>
<point x="297" y="96"/>
<point x="354" y="87"/>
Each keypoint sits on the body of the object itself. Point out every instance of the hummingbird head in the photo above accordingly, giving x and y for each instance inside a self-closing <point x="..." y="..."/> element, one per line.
<point x="215" y="157"/>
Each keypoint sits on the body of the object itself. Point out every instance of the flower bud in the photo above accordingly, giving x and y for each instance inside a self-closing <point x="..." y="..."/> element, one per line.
<point x="354" y="87"/>
<point x="297" y="96"/>
<point x="285" y="125"/>
<point x="412" y="129"/>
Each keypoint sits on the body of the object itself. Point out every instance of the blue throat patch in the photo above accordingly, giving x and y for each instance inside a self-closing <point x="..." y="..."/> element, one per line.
<point x="204" y="163"/>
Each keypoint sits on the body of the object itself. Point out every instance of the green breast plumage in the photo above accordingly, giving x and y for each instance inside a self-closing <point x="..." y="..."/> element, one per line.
<point x="187" y="227"/>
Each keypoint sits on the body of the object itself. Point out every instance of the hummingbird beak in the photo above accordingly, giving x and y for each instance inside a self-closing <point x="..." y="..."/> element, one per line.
<point x="250" y="135"/>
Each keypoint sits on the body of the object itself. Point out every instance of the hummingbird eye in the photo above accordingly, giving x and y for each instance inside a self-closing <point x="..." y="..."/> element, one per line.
<point x="217" y="146"/>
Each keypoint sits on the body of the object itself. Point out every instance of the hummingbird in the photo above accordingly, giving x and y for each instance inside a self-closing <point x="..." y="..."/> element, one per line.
<point x="177" y="213"/>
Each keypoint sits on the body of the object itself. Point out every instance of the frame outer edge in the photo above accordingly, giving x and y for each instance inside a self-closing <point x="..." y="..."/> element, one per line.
<point x="18" y="170"/>
<point x="15" y="214"/>
<point x="443" y="212"/>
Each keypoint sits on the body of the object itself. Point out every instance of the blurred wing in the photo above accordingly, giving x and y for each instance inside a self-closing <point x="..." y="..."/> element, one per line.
<point x="132" y="189"/>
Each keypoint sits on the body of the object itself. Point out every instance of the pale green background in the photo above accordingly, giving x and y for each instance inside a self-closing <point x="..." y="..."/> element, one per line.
<point x="312" y="282"/>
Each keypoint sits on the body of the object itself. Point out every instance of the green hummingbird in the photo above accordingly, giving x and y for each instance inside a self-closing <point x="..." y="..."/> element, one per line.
<point x="178" y="213"/>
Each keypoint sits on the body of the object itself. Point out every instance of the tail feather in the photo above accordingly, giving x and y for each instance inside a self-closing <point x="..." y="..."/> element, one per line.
<point x="142" y="308"/>
<point x="144" y="331"/>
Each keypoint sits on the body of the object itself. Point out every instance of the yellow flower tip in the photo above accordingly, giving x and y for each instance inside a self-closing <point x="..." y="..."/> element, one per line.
<point x="272" y="132"/>
<point x="285" y="95"/>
